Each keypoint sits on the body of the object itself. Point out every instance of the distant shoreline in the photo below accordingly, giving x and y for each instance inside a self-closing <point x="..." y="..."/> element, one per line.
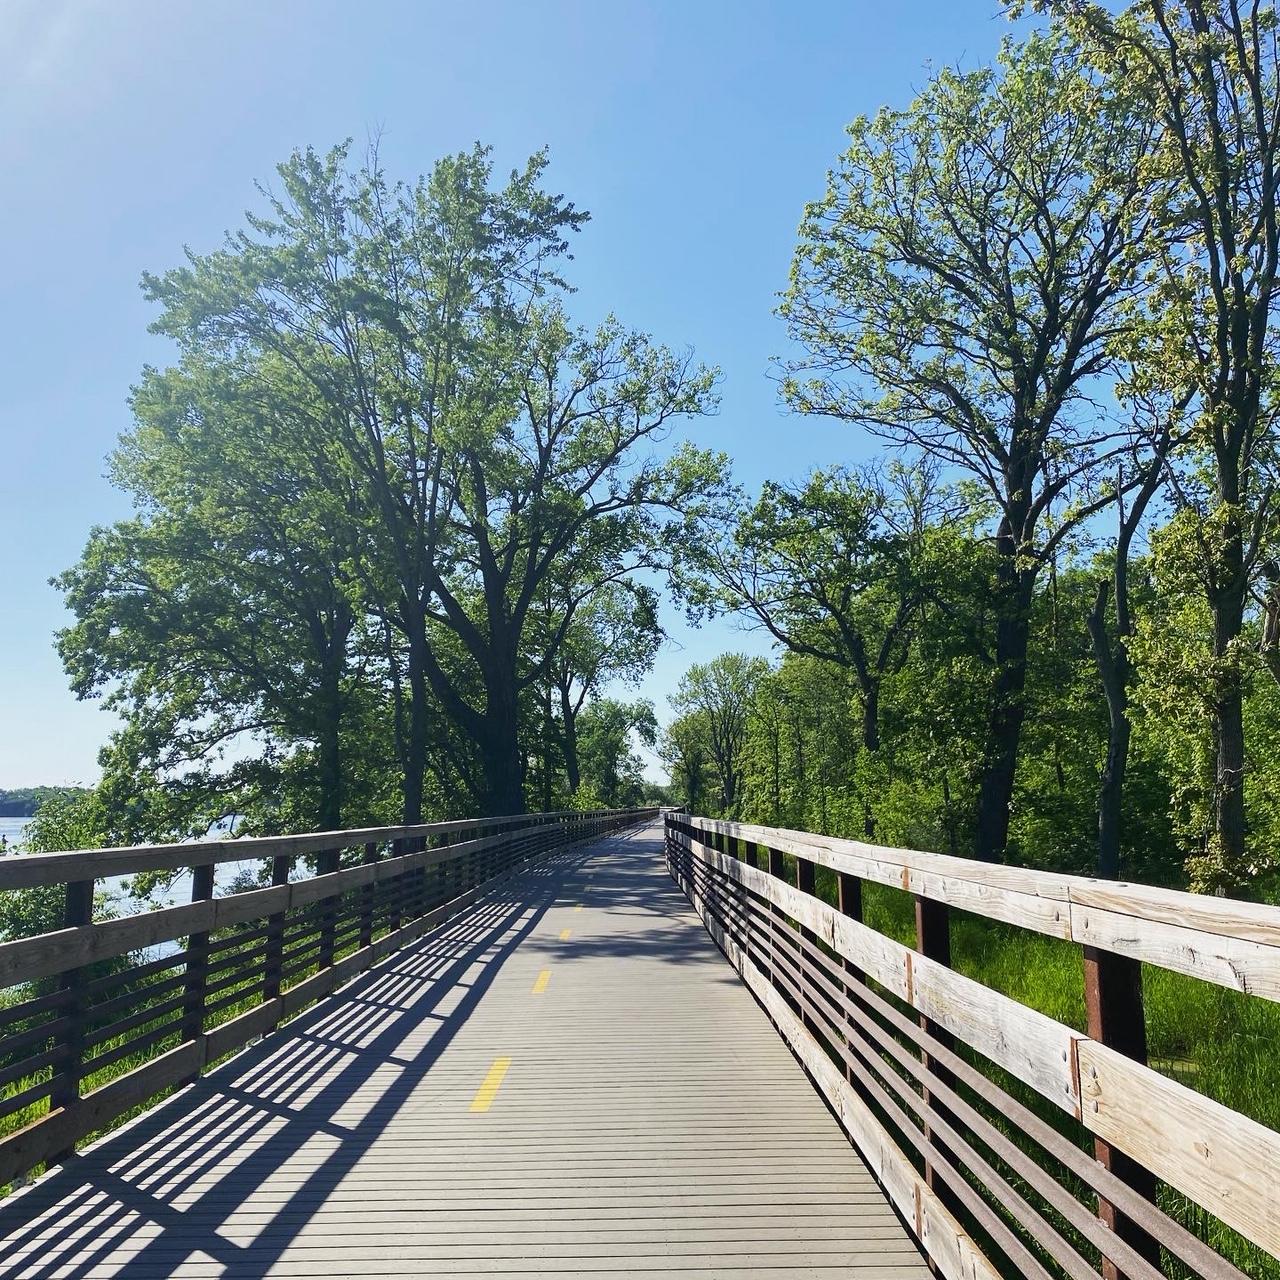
<point x="22" y="802"/>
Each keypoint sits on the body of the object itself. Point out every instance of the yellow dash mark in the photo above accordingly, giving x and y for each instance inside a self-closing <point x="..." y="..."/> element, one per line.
<point x="541" y="985"/>
<point x="564" y="934"/>
<point x="578" y="907"/>
<point x="488" y="1090"/>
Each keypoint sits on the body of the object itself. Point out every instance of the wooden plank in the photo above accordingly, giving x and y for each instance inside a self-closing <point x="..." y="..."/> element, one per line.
<point x="55" y="1134"/>
<point x="1035" y="1048"/>
<point x="1217" y="1157"/>
<point x="1241" y="963"/>
<point x="47" y="954"/>
<point x="35" y="869"/>
<point x="1257" y="921"/>
<point x="950" y="1248"/>
<point x="1165" y="927"/>
<point x="876" y="955"/>
<point x="59" y="1130"/>
<point x="1225" y="1162"/>
<point x="1018" y="880"/>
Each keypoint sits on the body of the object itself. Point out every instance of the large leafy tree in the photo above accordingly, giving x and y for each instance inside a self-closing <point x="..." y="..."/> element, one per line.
<point x="717" y="695"/>
<point x="838" y="569"/>
<point x="961" y="288"/>
<point x="565" y="480"/>
<point x="483" y="439"/>
<point x="684" y="749"/>
<point x="1209" y="75"/>
<point x="612" y="770"/>
<point x="613" y="637"/>
<point x="219" y="621"/>
<point x="381" y="305"/>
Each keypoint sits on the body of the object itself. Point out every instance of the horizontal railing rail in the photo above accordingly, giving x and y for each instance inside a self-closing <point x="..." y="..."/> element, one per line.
<point x="94" y="1026"/>
<point x="942" y="1082"/>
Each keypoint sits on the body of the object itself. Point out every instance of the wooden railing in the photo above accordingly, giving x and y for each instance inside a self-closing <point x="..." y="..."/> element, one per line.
<point x="92" y="1027"/>
<point x="942" y="1082"/>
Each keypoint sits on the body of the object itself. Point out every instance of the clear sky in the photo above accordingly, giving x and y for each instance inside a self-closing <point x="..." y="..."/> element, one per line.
<point x="693" y="130"/>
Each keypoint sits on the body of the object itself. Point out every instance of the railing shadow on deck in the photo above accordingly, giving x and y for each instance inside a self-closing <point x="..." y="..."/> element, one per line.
<point x="278" y="1094"/>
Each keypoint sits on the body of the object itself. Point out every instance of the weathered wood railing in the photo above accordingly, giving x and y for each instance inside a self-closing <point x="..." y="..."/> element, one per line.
<point x="92" y="1028"/>
<point x="916" y="1058"/>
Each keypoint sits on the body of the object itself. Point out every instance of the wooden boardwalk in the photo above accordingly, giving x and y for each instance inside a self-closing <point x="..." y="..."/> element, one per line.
<point x="567" y="1079"/>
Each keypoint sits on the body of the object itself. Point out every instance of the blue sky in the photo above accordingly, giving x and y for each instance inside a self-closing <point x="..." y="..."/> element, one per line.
<point x="694" y="132"/>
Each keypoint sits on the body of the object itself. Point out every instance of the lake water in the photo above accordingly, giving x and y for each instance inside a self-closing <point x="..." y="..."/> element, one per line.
<point x="12" y="829"/>
<point x="178" y="891"/>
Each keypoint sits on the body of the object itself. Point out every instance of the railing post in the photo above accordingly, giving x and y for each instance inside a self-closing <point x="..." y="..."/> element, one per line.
<point x="64" y="1089"/>
<point x="326" y="865"/>
<point x="197" y="971"/>
<point x="271" y="969"/>
<point x="806" y="882"/>
<point x="849" y="903"/>
<point x="806" y="877"/>
<point x="366" y="897"/>
<point x="442" y="871"/>
<point x="777" y="865"/>
<point x="933" y="939"/>
<point x="396" y="918"/>
<point x="1115" y="1017"/>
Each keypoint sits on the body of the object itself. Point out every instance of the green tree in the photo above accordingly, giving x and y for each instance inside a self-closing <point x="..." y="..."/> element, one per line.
<point x="719" y="694"/>
<point x="222" y="616"/>
<point x="612" y="770"/>
<point x="613" y="636"/>
<point x="65" y="819"/>
<point x="961" y="288"/>
<point x="838" y="569"/>
<point x="485" y="439"/>
<point x="1209" y="75"/>
<point x="684" y="750"/>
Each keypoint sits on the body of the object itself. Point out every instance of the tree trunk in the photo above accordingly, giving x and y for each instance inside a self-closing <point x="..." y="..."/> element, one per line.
<point x="952" y="843"/>
<point x="415" y="758"/>
<point x="500" y="749"/>
<point x="1008" y="710"/>
<point x="330" y="633"/>
<point x="1113" y="669"/>
<point x="775" y="746"/>
<point x="870" y="743"/>
<point x="547" y="737"/>
<point x="329" y="753"/>
<point x="570" y="718"/>
<point x="1228" y="716"/>
<point x="871" y="716"/>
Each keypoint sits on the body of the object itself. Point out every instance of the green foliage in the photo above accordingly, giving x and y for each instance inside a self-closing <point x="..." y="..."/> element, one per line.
<point x="389" y="499"/>
<point x="715" y="700"/>
<point x="612" y="771"/>
<point x="22" y="802"/>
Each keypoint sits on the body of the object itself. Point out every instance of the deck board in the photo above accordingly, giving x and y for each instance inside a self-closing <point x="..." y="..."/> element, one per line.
<point x="650" y="1120"/>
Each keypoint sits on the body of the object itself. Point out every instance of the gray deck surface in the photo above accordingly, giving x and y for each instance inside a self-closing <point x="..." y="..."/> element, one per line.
<point x="650" y="1120"/>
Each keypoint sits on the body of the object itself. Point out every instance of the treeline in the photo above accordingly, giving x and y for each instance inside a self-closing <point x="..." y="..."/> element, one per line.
<point x="22" y="802"/>
<point x="1045" y="626"/>
<point x="401" y="522"/>
<point x="397" y="519"/>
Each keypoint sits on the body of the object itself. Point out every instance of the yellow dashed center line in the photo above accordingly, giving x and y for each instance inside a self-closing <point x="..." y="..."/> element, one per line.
<point x="541" y="984"/>
<point x="564" y="934"/>
<point x="578" y="907"/>
<point x="488" y="1090"/>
